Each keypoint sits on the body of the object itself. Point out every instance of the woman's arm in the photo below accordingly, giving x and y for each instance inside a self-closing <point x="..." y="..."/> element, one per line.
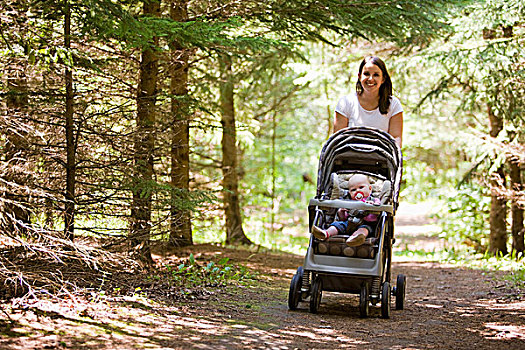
<point x="340" y="122"/>
<point x="396" y="128"/>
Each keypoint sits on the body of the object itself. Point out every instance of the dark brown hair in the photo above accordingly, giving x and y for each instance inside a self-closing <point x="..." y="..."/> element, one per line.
<point x="385" y="90"/>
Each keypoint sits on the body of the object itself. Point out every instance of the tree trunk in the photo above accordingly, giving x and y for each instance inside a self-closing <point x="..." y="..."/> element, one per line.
<point x="232" y="211"/>
<point x="498" y="204"/>
<point x="498" y="215"/>
<point x="16" y="211"/>
<point x="144" y="145"/>
<point x="330" y="115"/>
<point x="517" y="230"/>
<point x="180" y="219"/>
<point x="274" y="173"/>
<point x="69" y="212"/>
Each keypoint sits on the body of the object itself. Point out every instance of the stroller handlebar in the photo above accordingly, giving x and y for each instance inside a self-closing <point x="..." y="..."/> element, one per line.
<point x="350" y="204"/>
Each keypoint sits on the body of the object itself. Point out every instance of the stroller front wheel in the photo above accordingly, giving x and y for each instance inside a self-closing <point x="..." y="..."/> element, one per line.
<point x="364" y="307"/>
<point x="317" y="293"/>
<point x="385" y="300"/>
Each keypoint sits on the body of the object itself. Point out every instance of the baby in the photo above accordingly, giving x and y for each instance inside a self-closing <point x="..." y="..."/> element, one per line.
<point x="359" y="188"/>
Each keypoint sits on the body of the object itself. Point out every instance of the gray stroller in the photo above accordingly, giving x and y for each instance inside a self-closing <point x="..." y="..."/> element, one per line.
<point x="331" y="265"/>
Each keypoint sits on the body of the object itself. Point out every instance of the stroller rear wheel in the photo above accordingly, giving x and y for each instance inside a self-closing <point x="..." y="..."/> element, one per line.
<point x="294" y="295"/>
<point x="363" y="301"/>
<point x="317" y="293"/>
<point x="400" y="292"/>
<point x="385" y="300"/>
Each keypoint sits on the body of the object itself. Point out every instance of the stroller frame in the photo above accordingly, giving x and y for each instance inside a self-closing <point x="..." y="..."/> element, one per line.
<point x="353" y="150"/>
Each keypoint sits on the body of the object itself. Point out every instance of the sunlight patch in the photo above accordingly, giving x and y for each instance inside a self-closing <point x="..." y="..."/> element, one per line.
<point x="505" y="331"/>
<point x="433" y="306"/>
<point x="325" y="335"/>
<point x="494" y="305"/>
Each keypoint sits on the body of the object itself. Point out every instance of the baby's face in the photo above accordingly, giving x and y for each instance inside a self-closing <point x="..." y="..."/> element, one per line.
<point x="359" y="190"/>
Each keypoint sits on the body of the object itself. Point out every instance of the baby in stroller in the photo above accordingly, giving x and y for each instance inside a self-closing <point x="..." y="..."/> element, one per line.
<point x="359" y="188"/>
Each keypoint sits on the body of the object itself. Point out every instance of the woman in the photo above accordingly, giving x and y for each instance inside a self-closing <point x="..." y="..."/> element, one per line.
<point x="373" y="104"/>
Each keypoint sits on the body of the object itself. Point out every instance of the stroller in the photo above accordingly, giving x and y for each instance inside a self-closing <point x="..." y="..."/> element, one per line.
<point x="332" y="266"/>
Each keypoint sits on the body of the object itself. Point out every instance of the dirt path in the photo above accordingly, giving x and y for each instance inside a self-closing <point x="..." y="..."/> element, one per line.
<point x="446" y="308"/>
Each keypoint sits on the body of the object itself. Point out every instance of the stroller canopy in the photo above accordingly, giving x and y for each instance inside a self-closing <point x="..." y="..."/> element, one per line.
<point x="361" y="149"/>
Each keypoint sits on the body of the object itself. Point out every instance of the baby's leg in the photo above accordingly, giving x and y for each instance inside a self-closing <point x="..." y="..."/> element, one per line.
<point x="358" y="237"/>
<point x="331" y="231"/>
<point x="334" y="229"/>
<point x="339" y="227"/>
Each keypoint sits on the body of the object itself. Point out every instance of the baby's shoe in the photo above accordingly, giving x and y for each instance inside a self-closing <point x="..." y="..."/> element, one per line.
<point x="319" y="233"/>
<point x="356" y="239"/>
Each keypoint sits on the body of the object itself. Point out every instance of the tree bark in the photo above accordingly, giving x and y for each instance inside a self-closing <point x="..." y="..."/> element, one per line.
<point x="16" y="212"/>
<point x="230" y="183"/>
<point x="498" y="204"/>
<point x="69" y="212"/>
<point x="144" y="144"/>
<point x="517" y="230"/>
<point x="180" y="219"/>
<point x="274" y="173"/>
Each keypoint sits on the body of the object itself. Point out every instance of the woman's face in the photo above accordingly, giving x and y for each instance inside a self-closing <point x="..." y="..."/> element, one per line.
<point x="371" y="77"/>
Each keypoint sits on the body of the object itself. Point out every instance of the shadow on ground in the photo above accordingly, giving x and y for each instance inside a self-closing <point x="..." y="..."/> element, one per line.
<point x="446" y="308"/>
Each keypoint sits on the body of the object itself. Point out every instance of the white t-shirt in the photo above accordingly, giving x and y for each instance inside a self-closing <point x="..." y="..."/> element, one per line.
<point x="349" y="107"/>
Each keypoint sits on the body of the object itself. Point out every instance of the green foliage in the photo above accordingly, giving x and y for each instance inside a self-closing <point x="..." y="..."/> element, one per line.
<point x="481" y="63"/>
<point x="404" y="22"/>
<point x="191" y="273"/>
<point x="208" y="227"/>
<point x="454" y="85"/>
<point x="466" y="219"/>
<point x="517" y="277"/>
<point x="284" y="99"/>
<point x="424" y="181"/>
<point x="288" y="234"/>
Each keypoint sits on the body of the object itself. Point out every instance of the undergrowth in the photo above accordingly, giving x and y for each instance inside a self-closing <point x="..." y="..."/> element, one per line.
<point x="57" y="268"/>
<point x="190" y="272"/>
<point x="190" y="279"/>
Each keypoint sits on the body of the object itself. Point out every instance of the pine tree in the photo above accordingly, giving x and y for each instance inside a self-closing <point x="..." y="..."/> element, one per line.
<point x="180" y="218"/>
<point x="478" y="62"/>
<point x="145" y="142"/>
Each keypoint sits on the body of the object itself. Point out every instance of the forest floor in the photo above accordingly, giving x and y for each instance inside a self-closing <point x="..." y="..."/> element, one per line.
<point x="446" y="307"/>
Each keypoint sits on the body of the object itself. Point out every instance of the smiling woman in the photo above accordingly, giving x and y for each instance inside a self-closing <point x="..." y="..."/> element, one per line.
<point x="372" y="104"/>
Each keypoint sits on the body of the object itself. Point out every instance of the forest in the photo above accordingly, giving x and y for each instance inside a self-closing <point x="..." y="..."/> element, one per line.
<point x="138" y="134"/>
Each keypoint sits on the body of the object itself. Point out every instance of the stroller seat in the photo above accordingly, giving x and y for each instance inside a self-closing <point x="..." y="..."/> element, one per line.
<point x="336" y="245"/>
<point x="381" y="188"/>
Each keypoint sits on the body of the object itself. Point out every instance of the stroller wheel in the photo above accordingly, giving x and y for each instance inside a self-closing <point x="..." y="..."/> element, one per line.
<point x="400" y="292"/>
<point x="294" y="295"/>
<point x="317" y="292"/>
<point x="385" y="300"/>
<point x="363" y="301"/>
